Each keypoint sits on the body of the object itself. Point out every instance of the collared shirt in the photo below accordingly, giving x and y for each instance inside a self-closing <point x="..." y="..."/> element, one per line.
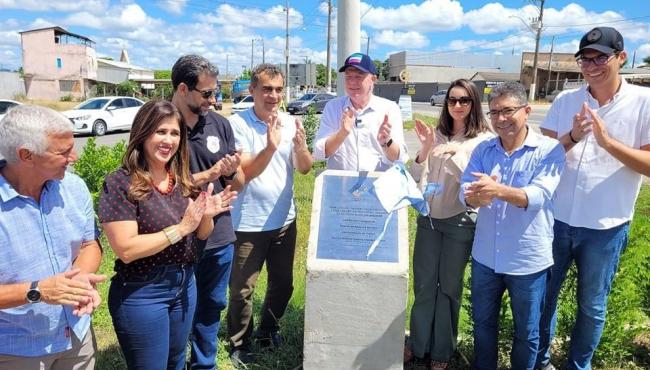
<point x="444" y="166"/>
<point x="38" y="240"/>
<point x="596" y="190"/>
<point x="509" y="239"/>
<point x="360" y="151"/>
<point x="266" y="202"/>
<point x="210" y="140"/>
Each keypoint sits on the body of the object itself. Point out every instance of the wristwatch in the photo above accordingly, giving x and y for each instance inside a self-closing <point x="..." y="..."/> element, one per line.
<point x="33" y="294"/>
<point x="388" y="143"/>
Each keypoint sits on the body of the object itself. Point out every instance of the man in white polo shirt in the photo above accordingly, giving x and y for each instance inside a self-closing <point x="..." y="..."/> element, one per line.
<point x="264" y="215"/>
<point x="360" y="131"/>
<point x="605" y="129"/>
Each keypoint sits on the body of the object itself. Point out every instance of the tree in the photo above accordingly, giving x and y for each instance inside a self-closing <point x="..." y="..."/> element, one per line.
<point x="161" y="74"/>
<point x="246" y="74"/>
<point x="382" y="69"/>
<point x="128" y="88"/>
<point x="321" y="75"/>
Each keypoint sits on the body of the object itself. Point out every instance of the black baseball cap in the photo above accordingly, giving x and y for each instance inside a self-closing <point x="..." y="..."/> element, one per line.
<point x="604" y="39"/>
<point x="361" y="62"/>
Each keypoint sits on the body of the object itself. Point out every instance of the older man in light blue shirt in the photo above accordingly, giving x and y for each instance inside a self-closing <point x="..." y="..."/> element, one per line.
<point x="48" y="246"/>
<point x="512" y="179"/>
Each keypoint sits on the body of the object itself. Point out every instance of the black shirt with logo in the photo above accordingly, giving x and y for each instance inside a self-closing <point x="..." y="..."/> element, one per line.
<point x="210" y="140"/>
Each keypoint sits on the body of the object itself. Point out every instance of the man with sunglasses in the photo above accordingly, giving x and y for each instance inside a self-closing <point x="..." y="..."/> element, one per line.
<point x="212" y="159"/>
<point x="360" y="131"/>
<point x="605" y="129"/>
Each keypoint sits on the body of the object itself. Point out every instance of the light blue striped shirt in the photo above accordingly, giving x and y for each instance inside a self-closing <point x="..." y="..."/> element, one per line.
<point x="509" y="239"/>
<point x="38" y="240"/>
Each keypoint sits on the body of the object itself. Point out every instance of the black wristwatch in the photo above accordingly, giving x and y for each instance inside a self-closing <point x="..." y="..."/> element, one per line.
<point x="388" y="143"/>
<point x="33" y="294"/>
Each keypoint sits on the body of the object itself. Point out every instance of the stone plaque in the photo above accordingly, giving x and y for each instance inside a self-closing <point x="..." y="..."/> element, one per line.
<point x="351" y="219"/>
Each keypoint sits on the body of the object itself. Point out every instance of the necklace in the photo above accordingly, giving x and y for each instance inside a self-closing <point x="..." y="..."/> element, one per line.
<point x="170" y="184"/>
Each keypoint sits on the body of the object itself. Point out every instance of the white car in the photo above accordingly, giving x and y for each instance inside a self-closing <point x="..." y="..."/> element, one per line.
<point x="243" y="104"/>
<point x="438" y="98"/>
<point x="5" y="105"/>
<point x="101" y="115"/>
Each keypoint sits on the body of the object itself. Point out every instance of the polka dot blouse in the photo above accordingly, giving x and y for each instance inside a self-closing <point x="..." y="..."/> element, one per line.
<point x="152" y="215"/>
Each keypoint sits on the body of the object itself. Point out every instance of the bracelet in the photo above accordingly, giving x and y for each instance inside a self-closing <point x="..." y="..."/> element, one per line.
<point x="387" y="144"/>
<point x="572" y="139"/>
<point x="172" y="235"/>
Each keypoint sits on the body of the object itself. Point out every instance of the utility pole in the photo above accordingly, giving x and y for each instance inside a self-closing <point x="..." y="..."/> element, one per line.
<point x="368" y="47"/>
<point x="538" y="26"/>
<point x="634" y="58"/>
<point x="286" y="55"/>
<point x="328" y="66"/>
<point x="550" y="59"/>
<point x="252" y="44"/>
<point x="348" y="35"/>
<point x="227" y="64"/>
<point x="263" y="51"/>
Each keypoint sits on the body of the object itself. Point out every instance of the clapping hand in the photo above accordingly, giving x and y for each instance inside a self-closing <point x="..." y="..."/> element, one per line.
<point x="300" y="139"/>
<point x="426" y="137"/>
<point x="598" y="127"/>
<point x="273" y="133"/>
<point x="218" y="203"/>
<point x="193" y="214"/>
<point x="383" y="136"/>
<point x="347" y="120"/>
<point x="94" y="298"/>
<point x="582" y="125"/>
<point x="482" y="191"/>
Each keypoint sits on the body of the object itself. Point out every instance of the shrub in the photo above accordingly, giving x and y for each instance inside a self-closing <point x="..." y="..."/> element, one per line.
<point x="95" y="162"/>
<point x="66" y="98"/>
<point x="310" y="122"/>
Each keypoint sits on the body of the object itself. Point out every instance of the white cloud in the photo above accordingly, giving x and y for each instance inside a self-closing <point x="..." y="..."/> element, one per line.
<point x="410" y="39"/>
<point x="430" y="15"/>
<point x="173" y="6"/>
<point x="271" y="18"/>
<point x="642" y="52"/>
<point x="93" y="6"/>
<point x="516" y="44"/>
<point x="117" y="19"/>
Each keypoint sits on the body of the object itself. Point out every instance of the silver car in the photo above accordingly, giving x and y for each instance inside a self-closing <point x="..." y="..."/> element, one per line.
<point x="438" y="98"/>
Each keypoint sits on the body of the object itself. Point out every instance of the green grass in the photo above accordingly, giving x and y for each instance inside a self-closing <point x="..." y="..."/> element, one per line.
<point x="429" y="120"/>
<point x="290" y="356"/>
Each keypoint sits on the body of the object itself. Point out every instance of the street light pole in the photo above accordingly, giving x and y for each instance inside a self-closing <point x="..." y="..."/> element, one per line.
<point x="538" y="27"/>
<point x="286" y="55"/>
<point x="328" y="66"/>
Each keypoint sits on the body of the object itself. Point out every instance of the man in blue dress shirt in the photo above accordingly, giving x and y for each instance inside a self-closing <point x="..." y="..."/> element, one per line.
<point x="511" y="178"/>
<point x="48" y="246"/>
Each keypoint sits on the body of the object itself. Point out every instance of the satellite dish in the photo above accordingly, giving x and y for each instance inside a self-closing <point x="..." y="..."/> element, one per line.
<point x="404" y="75"/>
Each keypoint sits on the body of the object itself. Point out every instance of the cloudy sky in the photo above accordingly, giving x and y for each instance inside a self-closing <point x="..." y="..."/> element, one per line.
<point x="155" y="33"/>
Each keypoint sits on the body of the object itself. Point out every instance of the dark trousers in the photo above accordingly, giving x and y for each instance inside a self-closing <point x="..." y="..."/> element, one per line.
<point x="276" y="248"/>
<point x="212" y="272"/>
<point x="439" y="259"/>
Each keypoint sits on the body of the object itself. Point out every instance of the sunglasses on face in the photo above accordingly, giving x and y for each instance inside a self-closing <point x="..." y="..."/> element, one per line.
<point x="599" y="60"/>
<point x="464" y="101"/>
<point x="207" y="94"/>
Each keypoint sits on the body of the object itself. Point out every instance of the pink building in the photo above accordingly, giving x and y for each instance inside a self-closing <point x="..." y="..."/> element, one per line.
<point x="58" y="63"/>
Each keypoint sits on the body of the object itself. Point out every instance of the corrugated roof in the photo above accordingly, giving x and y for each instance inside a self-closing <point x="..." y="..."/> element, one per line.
<point x="122" y="65"/>
<point x="495" y="76"/>
<point x="60" y="30"/>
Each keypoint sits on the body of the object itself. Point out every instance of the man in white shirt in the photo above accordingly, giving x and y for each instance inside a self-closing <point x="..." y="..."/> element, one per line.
<point x="360" y="131"/>
<point x="264" y="214"/>
<point x="605" y="129"/>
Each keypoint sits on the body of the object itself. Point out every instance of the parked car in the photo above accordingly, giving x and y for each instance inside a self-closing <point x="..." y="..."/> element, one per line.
<point x="317" y="101"/>
<point x="219" y="102"/>
<point x="5" y="105"/>
<point x="101" y="115"/>
<point x="438" y="97"/>
<point x="243" y="104"/>
<point x="550" y="97"/>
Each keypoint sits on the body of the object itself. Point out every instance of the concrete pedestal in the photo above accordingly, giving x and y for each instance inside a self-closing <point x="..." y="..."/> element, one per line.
<point x="355" y="306"/>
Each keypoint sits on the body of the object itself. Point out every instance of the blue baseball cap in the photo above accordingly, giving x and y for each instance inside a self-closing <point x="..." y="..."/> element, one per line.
<point x="361" y="62"/>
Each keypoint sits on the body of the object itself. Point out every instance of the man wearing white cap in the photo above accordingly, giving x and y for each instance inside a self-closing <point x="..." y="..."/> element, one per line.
<point x="360" y="131"/>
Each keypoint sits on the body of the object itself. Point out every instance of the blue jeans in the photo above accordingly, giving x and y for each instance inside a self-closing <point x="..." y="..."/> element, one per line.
<point x="596" y="254"/>
<point x="152" y="315"/>
<point x="212" y="273"/>
<point x="526" y="301"/>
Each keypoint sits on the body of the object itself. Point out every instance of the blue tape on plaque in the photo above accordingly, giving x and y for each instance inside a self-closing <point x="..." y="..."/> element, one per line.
<point x="351" y="218"/>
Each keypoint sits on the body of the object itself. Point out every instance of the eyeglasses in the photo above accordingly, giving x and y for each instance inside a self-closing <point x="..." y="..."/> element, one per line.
<point x="207" y="94"/>
<point x="464" y="101"/>
<point x="505" y="112"/>
<point x="600" y="60"/>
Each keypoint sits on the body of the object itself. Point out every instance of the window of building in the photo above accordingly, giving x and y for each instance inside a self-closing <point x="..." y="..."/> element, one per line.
<point x="66" y="85"/>
<point x="59" y="63"/>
